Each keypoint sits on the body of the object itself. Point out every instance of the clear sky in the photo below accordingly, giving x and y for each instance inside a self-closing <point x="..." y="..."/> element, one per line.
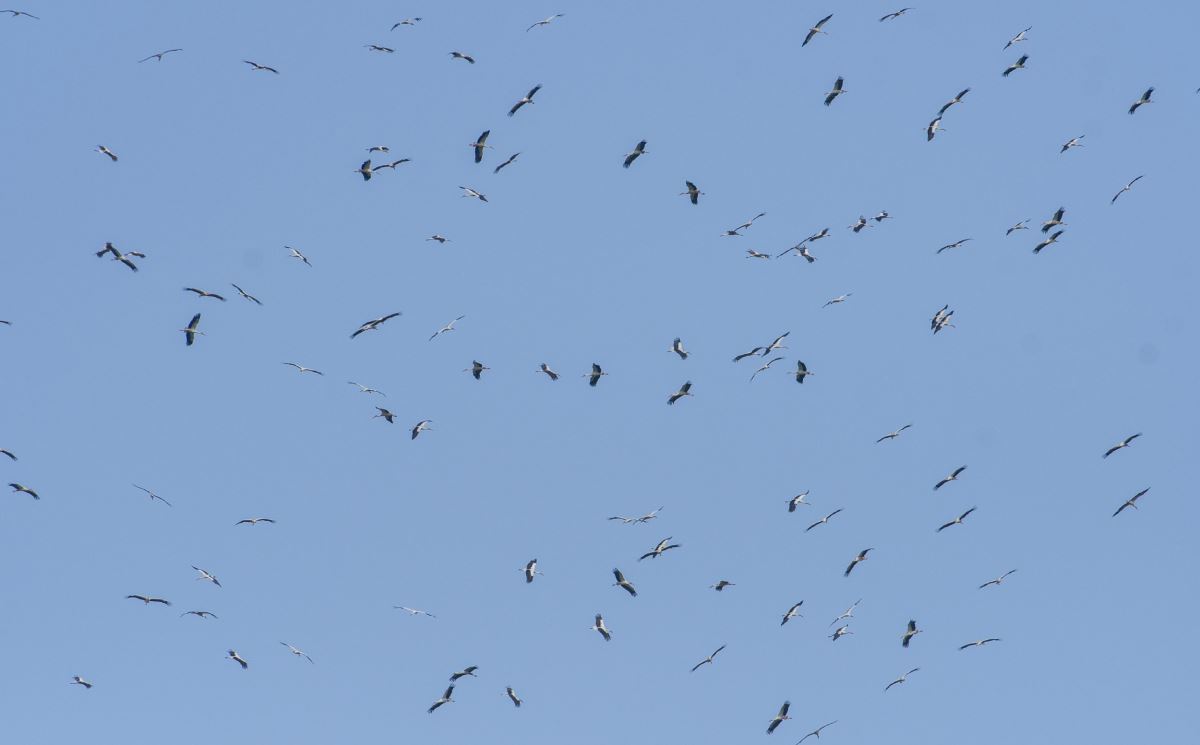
<point x="573" y="260"/>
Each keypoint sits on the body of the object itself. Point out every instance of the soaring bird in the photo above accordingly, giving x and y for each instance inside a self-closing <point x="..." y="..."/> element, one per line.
<point x="933" y="128"/>
<point x="463" y="57"/>
<point x="476" y="369"/>
<point x="545" y="21"/>
<point x="148" y="599"/>
<point x="738" y="230"/>
<point x="9" y="453"/>
<point x="978" y="643"/>
<point x="445" y="699"/>
<point x="109" y="248"/>
<point x="255" y="66"/>
<point x="603" y="630"/>
<point x="19" y="13"/>
<point x="393" y="164"/>
<point x="776" y="344"/>
<point x="909" y="633"/>
<point x="708" y="660"/>
<point x="302" y="368"/>
<point x="941" y="319"/>
<point x="297" y="652"/>
<point x="684" y="390"/>
<point x="956" y="521"/>
<point x="1126" y="188"/>
<point x="652" y="514"/>
<point x="1055" y="220"/>
<point x="190" y="332"/>
<point x="765" y="366"/>
<point x="153" y="496"/>
<point x="198" y="614"/>
<point x="447" y="328"/>
<point x="839" y="632"/>
<point x="22" y="489"/>
<point x="862" y="556"/>
<point x="414" y="611"/>
<point x="527" y="98"/>
<point x="530" y="570"/>
<point x="837" y="300"/>
<point x="374" y="324"/>
<point x="955" y="244"/>
<point x="848" y="613"/>
<point x="479" y="144"/>
<point x="439" y="238"/>
<point x="595" y="375"/>
<point x="797" y="500"/>
<point x="466" y="671"/>
<point x="297" y="255"/>
<point x="102" y="149"/>
<point x="1131" y="502"/>
<point x="377" y="48"/>
<point x="511" y="158"/>
<point x="544" y="368"/>
<point x="255" y="521"/>
<point x="1018" y="226"/>
<point x="894" y="14"/>
<point x="836" y="91"/>
<point x="1122" y="444"/>
<point x="858" y="226"/>
<point x="512" y="696"/>
<point x="693" y="192"/>
<point x="623" y="583"/>
<point x="783" y="710"/>
<point x="405" y="22"/>
<point x="638" y="151"/>
<point x="206" y="576"/>
<point x="1018" y="38"/>
<point x="420" y="427"/>
<point x="204" y="293"/>
<point x="79" y="681"/>
<point x="721" y="585"/>
<point x="816" y="29"/>
<point x="663" y="546"/>
<point x="998" y="580"/>
<point x="1052" y="239"/>
<point x="951" y="102"/>
<point x="1018" y="65"/>
<point x="752" y="353"/>
<point x="387" y="415"/>
<point x="892" y="435"/>
<point x="823" y="520"/>
<point x="883" y="215"/>
<point x="159" y="55"/>
<point x="378" y="149"/>
<point x="802" y="372"/>
<point x="952" y="477"/>
<point x="901" y="679"/>
<point x="1073" y="142"/>
<point x="817" y="732"/>
<point x="791" y="613"/>
<point x="365" y="170"/>
<point x="469" y="192"/>
<point x="1143" y="100"/>
<point x="677" y="348"/>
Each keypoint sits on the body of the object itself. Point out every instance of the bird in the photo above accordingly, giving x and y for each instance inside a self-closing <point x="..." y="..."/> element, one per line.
<point x="848" y="613"/>
<point x="414" y="611"/>
<point x="22" y="489"/>
<point x="527" y="98"/>
<point x="19" y="13"/>
<point x="956" y="521"/>
<point x="894" y="14"/>
<point x="480" y="144"/>
<point x="638" y="151"/>
<point x="255" y="66"/>
<point x="951" y="102"/>
<point x="511" y="158"/>
<point x="198" y="614"/>
<point x="663" y="546"/>
<point x="378" y="149"/>
<point x="302" y="368"/>
<point x="635" y="520"/>
<point x="623" y="583"/>
<point x="1018" y="226"/>
<point x="693" y="192"/>
<point x="469" y="192"/>
<point x="816" y="236"/>
<point x="791" y="613"/>
<point x="439" y="238"/>
<point x="955" y="244"/>
<point x="207" y="576"/>
<point x="544" y="21"/>
<point x="297" y="255"/>
<point x="364" y="389"/>
<point x="102" y="149"/>
<point x="464" y="673"/>
<point x="823" y="520"/>
<point x="998" y="580"/>
<point x="797" y="500"/>
<point x="1126" y="188"/>
<point x="405" y="22"/>
<point x="765" y="366"/>
<point x="393" y="164"/>
<point x="190" y="332"/>
<point x="817" y="732"/>
<point x="952" y="477"/>
<point x="837" y="300"/>
<point x="297" y="652"/>
<point x="901" y="679"/>
<point x="1018" y="65"/>
<point x="603" y="630"/>
<point x="512" y="696"/>
<point x="374" y="324"/>
<point x="365" y="170"/>
<point x="883" y="215"/>
<point x="420" y="427"/>
<point x="941" y="319"/>
<point x="1073" y="142"/>
<point x="153" y="496"/>
<point x="77" y="680"/>
<point x="892" y="435"/>
<point x="721" y="585"/>
<point x="530" y="570"/>
<point x="775" y="344"/>
<point x="121" y="257"/>
<point x="463" y="57"/>
<point x="159" y="55"/>
<point x="737" y="231"/>
<point x="978" y="643"/>
<point x="933" y="128"/>
<point x="803" y="251"/>
<point x="839" y="632"/>
<point x="1131" y="502"/>
<point x="862" y="556"/>
<point x="388" y="416"/>
<point x="377" y="48"/>
<point x="708" y="660"/>
<point x="544" y="368"/>
<point x="476" y="369"/>
<point x="1052" y="239"/>
<point x="909" y="632"/>
<point x="9" y="453"/>
<point x="1143" y="100"/>
<point x="1122" y="444"/>
<point x="595" y="375"/>
<point x="677" y="348"/>
<point x="246" y="295"/>
<point x="684" y="391"/>
<point x="445" y="699"/>
<point x="447" y="328"/>
<point x="1055" y="220"/>
<point x="255" y="521"/>
<point x="148" y="599"/>
<point x="204" y="293"/>
<point x="836" y="91"/>
<point x="1018" y="38"/>
<point x="860" y="224"/>
<point x="816" y="29"/>
<point x="802" y="372"/>
<point x="780" y="717"/>
<point x="752" y="353"/>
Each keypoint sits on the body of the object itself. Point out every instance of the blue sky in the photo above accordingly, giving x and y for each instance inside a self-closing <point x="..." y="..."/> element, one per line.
<point x="575" y="260"/>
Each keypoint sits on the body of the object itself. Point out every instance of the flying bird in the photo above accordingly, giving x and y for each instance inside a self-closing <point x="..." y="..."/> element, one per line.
<point x="816" y="29"/>
<point x="951" y="102"/>
<point x="1018" y="38"/>
<point x="858" y="226"/>
<point x="802" y="372"/>
<point x="952" y="477"/>
<point x="737" y="231"/>
<point x="148" y="599"/>
<point x="438" y="237"/>
<point x="102" y="149"/>
<point x="19" y="13"/>
<point x="677" y="348"/>
<point x="933" y="128"/>
<point x="206" y="576"/>
<point x="1018" y="226"/>
<point x="190" y="332"/>
<point x="978" y="643"/>
<point x="377" y="48"/>
<point x="791" y="613"/>
<point x="77" y="680"/>
<point x="765" y="366"/>
<point x="530" y="570"/>
<point x="684" y="390"/>
<point x="446" y="329"/>
<point x="892" y="435"/>
<point x="1126" y="188"/>
<point x="378" y="149"/>
<point x="445" y="699"/>
<point x="817" y="732"/>
<point x="797" y="500"/>
<point x="469" y="192"/>
<point x="663" y="546"/>
<point x="544" y="368"/>
<point x="595" y="375"/>
<point x="693" y="192"/>
<point x="297" y="652"/>
<point x="255" y="66"/>
<point x="512" y="696"/>
<point x="862" y="556"/>
<point x="848" y="613"/>
<point x="476" y="369"/>
<point x="22" y="489"/>
<point x="894" y="14"/>
<point x="941" y="319"/>
<point x="1018" y="65"/>
<point x="545" y="21"/>
<point x="1052" y="239"/>
<point x="839" y="632"/>
<point x="1073" y="142"/>
<point x="955" y="244"/>
<point x="527" y="98"/>
<point x="823" y="520"/>
<point x="204" y="293"/>
<point x="1131" y="502"/>
<point x="623" y="583"/>
<point x="599" y="626"/>
<point x="121" y="257"/>
<point x="956" y="521"/>
<point x="781" y="716"/>
<point x="1055" y="220"/>
<point x="414" y="611"/>
<point x="511" y="158"/>
<point x="246" y="295"/>
<point x="883" y="215"/>
<point x="909" y="633"/>
<point x="254" y="521"/>
<point x="302" y="368"/>
<point x="366" y="170"/>
<point x="721" y="585"/>
<point x="638" y="151"/>
<point x="1143" y="100"/>
<point x="159" y="55"/>
<point x="374" y="324"/>
<point x="421" y="426"/>
<point x="467" y="671"/>
<point x="198" y="614"/>
<point x="153" y="496"/>
<point x="836" y="91"/>
<point x="297" y="255"/>
<point x="479" y="144"/>
<point x="901" y="679"/>
<point x="461" y="56"/>
<point x="1122" y="444"/>
<point x="652" y="514"/>
<point x="708" y="660"/>
<point x="405" y="22"/>
<point x="388" y="416"/>
<point x="998" y="580"/>
<point x="837" y="300"/>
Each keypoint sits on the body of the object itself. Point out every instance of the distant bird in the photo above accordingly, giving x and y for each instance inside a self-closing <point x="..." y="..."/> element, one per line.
<point x="752" y="353"/>
<point x="9" y="453"/>
<point x="623" y="583"/>
<point x="909" y="633"/>
<point x="601" y="628"/>
<point x="437" y="237"/>
<point x="102" y="149"/>
<point x="466" y="671"/>
<point x="693" y="192"/>
<point x="414" y="611"/>
<point x="791" y="613"/>
<point x="1131" y="502"/>
<point x="1055" y="220"/>
<point x="836" y="91"/>
<point x="803" y="251"/>
<point x="244" y="294"/>
<point x="527" y="98"/>
<point x="159" y="55"/>
<point x="663" y="546"/>
<point x="77" y="680"/>
<point x="377" y="48"/>
<point x="1145" y="99"/>
<point x="1018" y="65"/>
<point x="6" y="323"/>
<point x="952" y="477"/>
<point x="933" y="128"/>
<point x="420" y="427"/>
<point x="797" y="500"/>
<point x="544" y="21"/>
<point x="121" y="257"/>
<point x="817" y="732"/>
<point x="892" y="435"/>
<point x="204" y="293"/>
<point x="888" y="17"/>
<point x="941" y="319"/>
<point x="479" y="144"/>
<point x="233" y="655"/>
<point x="677" y="348"/>
<point x="802" y="372"/>
<point x="956" y="521"/>
<point x="22" y="489"/>
<point x="447" y="328"/>
<point x="297" y="255"/>
<point x="544" y="368"/>
<point x="378" y="149"/>
<point x="19" y="13"/>
<point x="254" y="521"/>
<point x="817" y="236"/>
<point x="978" y="643"/>
<point x="883" y="215"/>
<point x="302" y="368"/>
<point x="1052" y="239"/>
<point x="393" y="164"/>
<point x="737" y="231"/>
<point x="1018" y="38"/>
<point x="595" y="375"/>
<point x="374" y="324"/>
<point x="816" y="29"/>
<point x="148" y="599"/>
<point x="190" y="332"/>
<point x="364" y="389"/>
<point x="463" y="57"/>
<point x="405" y="22"/>
<point x="783" y="710"/>
<point x="445" y="699"/>
<point x="823" y="520"/>
<point x="207" y="576"/>
<point x="512" y="696"/>
<point x="951" y="102"/>
<point x="860" y="224"/>
<point x="709" y="659"/>
<point x="365" y="170"/>
<point x="1019" y="226"/>
<point x="848" y="613"/>
<point x="153" y="496"/>
<point x="638" y="151"/>
<point x="998" y="580"/>
<point x="721" y="585"/>
<point x="1122" y="444"/>
<point x="901" y="679"/>
<point x="476" y="369"/>
<point x="955" y="244"/>
<point x="388" y="416"/>
<point x="1073" y="142"/>
<point x="530" y="570"/>
<point x="652" y="514"/>
<point x="862" y="556"/>
<point x="511" y="158"/>
<point x="198" y="614"/>
<point x="255" y="67"/>
<point x="765" y="366"/>
<point x="469" y="192"/>
<point x="1126" y="188"/>
<point x="776" y="344"/>
<point x="839" y="632"/>
<point x="837" y="300"/>
<point x="684" y="391"/>
<point x="297" y="652"/>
